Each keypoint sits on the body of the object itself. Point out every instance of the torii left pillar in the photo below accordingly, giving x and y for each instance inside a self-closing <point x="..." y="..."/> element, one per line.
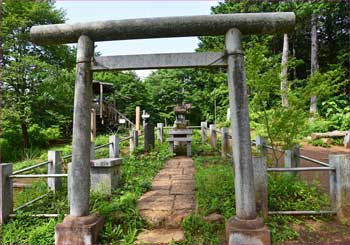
<point x="81" y="227"/>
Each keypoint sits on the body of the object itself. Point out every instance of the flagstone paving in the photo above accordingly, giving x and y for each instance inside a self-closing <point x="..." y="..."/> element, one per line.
<point x="169" y="201"/>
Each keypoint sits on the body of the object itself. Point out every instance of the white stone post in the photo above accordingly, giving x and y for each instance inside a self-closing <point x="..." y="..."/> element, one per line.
<point x="291" y="159"/>
<point x="54" y="167"/>
<point x="160" y="131"/>
<point x="260" y="183"/>
<point x="340" y="186"/>
<point x="259" y="143"/>
<point x="212" y="130"/>
<point x="114" y="146"/>
<point x="224" y="142"/>
<point x="245" y="227"/>
<point x="204" y="126"/>
<point x="131" y="142"/>
<point x="6" y="191"/>
<point x="80" y="169"/>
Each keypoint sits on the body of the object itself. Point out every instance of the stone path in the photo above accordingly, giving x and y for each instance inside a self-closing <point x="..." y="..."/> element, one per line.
<point x="169" y="201"/>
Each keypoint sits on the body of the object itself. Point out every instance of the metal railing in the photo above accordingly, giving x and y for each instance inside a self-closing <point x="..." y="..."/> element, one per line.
<point x="324" y="167"/>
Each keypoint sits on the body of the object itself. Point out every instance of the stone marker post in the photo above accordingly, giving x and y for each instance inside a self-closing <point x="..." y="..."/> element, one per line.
<point x="212" y="130"/>
<point x="54" y="167"/>
<point x="6" y="191"/>
<point x="114" y="146"/>
<point x="259" y="143"/>
<point x="160" y="131"/>
<point x="340" y="186"/>
<point x="204" y="126"/>
<point x="260" y="184"/>
<point x="149" y="136"/>
<point x="291" y="159"/>
<point x="245" y="227"/>
<point x="224" y="142"/>
<point x="80" y="227"/>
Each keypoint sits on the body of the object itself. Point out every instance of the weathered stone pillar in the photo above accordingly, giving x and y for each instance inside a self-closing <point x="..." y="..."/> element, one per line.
<point x="92" y="150"/>
<point x="79" y="227"/>
<point x="114" y="146"/>
<point x="224" y="142"/>
<point x="204" y="126"/>
<point x="6" y="191"/>
<point x="291" y="159"/>
<point x="160" y="132"/>
<point x="212" y="131"/>
<point x="80" y="171"/>
<point x="340" y="186"/>
<point x="245" y="227"/>
<point x="259" y="143"/>
<point x="54" y="167"/>
<point x="149" y="136"/>
<point x="260" y="184"/>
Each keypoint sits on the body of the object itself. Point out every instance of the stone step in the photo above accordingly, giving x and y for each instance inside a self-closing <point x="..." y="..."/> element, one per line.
<point x="160" y="236"/>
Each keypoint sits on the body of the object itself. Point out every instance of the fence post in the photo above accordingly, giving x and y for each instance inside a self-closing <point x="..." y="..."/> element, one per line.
<point x="204" y="126"/>
<point x="224" y="142"/>
<point x="136" y="137"/>
<point x="160" y="132"/>
<point x="114" y="146"/>
<point x="212" y="136"/>
<point x="291" y="159"/>
<point x="340" y="186"/>
<point x="260" y="184"/>
<point x="92" y="150"/>
<point x="259" y="143"/>
<point x="6" y="191"/>
<point x="54" y="167"/>
<point x="149" y="136"/>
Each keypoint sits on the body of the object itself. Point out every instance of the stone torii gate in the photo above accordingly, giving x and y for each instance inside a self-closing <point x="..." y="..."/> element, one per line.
<point x="80" y="226"/>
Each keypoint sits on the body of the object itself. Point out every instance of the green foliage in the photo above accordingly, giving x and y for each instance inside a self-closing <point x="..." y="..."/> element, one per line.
<point x="35" y="86"/>
<point x="198" y="231"/>
<point x="122" y="220"/>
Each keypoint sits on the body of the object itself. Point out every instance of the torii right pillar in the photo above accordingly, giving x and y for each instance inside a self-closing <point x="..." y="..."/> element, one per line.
<point x="245" y="227"/>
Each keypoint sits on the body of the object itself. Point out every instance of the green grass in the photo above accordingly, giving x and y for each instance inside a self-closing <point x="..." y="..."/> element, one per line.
<point x="122" y="220"/>
<point x="215" y="194"/>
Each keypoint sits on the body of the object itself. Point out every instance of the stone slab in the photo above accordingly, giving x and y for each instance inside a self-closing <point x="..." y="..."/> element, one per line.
<point x="106" y="162"/>
<point x="79" y="230"/>
<point x="160" y="236"/>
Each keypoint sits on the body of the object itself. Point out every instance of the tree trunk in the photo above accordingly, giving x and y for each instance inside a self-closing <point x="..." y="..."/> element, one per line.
<point x="284" y="72"/>
<point x="25" y="136"/>
<point x="314" y="59"/>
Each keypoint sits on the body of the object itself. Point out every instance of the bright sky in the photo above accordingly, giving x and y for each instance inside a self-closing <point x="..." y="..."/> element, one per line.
<point x="91" y="10"/>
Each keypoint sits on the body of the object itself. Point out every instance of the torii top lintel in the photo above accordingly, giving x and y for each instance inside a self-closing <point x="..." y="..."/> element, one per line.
<point x="161" y="27"/>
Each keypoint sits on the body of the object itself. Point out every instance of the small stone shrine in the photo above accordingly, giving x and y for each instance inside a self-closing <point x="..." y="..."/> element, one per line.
<point x="181" y="137"/>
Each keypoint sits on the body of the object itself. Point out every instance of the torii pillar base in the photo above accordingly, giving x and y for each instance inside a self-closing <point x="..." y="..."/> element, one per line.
<point x="240" y="231"/>
<point x="79" y="230"/>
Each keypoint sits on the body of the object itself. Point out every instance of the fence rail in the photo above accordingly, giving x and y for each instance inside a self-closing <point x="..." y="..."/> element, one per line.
<point x="38" y="175"/>
<point x="300" y="169"/>
<point x="31" y="167"/>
